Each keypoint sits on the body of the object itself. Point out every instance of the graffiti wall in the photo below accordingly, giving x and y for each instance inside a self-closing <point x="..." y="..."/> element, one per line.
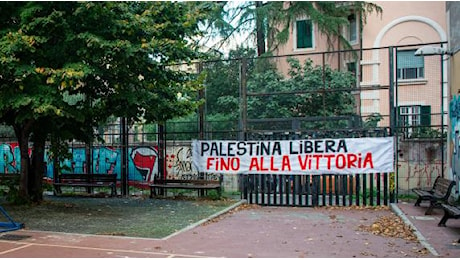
<point x="454" y="153"/>
<point x="419" y="163"/>
<point x="142" y="161"/>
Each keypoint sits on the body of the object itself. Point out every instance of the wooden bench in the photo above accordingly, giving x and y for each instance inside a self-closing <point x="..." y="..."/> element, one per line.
<point x="438" y="194"/>
<point x="200" y="185"/>
<point x="86" y="180"/>
<point x="450" y="211"/>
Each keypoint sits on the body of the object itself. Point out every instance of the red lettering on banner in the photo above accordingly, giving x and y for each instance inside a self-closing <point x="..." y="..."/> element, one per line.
<point x="272" y="164"/>
<point x="317" y="157"/>
<point x="286" y="165"/>
<point x="368" y="160"/>
<point x="303" y="163"/>
<point x="343" y="163"/>
<point x="254" y="163"/>
<point x="223" y="164"/>
<point x="328" y="157"/>
<point x="262" y="165"/>
<point x="351" y="158"/>
<point x="257" y="164"/>
<point x="209" y="163"/>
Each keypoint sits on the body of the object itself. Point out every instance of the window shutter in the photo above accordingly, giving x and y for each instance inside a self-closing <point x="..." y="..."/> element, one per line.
<point x="425" y="115"/>
<point x="301" y="27"/>
<point x="304" y="34"/>
<point x="407" y="59"/>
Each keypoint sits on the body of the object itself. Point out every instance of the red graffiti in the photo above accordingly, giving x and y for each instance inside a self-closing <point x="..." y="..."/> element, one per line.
<point x="144" y="159"/>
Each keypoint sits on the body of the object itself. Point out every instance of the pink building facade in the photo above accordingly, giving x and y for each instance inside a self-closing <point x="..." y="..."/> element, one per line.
<point x="420" y="82"/>
<point x="401" y="23"/>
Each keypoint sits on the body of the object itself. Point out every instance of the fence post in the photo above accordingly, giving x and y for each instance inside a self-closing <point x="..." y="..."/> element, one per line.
<point x="442" y="115"/>
<point x="393" y="118"/>
<point x="124" y="157"/>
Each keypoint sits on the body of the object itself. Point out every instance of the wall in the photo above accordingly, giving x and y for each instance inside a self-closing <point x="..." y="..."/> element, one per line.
<point x="142" y="161"/>
<point x="453" y="19"/>
<point x="419" y="163"/>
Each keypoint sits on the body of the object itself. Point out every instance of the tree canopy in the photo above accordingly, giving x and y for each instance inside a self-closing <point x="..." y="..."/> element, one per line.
<point x="268" y="23"/>
<point x="65" y="67"/>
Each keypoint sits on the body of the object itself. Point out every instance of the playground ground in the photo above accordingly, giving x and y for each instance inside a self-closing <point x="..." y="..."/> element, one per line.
<point x="241" y="231"/>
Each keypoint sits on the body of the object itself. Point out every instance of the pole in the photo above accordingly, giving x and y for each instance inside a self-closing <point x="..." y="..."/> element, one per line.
<point x="442" y="117"/>
<point x="124" y="157"/>
<point x="393" y="88"/>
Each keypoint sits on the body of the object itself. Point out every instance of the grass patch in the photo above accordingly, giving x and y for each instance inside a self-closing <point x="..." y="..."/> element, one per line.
<point x="134" y="216"/>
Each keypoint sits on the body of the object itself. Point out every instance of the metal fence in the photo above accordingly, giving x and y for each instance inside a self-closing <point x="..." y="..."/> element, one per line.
<point x="353" y="94"/>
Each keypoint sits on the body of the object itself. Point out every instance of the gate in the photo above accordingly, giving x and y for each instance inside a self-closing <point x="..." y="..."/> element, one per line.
<point x="402" y="96"/>
<point x="320" y="190"/>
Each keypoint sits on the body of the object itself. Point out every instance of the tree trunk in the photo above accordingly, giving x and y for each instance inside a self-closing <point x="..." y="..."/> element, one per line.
<point x="37" y="170"/>
<point x="22" y="135"/>
<point x="260" y="31"/>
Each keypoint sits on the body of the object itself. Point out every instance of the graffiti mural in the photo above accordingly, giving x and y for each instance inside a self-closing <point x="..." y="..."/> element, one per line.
<point x="10" y="161"/>
<point x="145" y="160"/>
<point x="454" y="115"/>
<point x="142" y="161"/>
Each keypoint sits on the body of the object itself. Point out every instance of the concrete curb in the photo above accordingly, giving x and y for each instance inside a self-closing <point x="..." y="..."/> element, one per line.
<point x="394" y="207"/>
<point x="215" y="215"/>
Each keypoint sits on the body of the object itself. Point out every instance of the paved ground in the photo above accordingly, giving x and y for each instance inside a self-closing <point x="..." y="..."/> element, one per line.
<point x="257" y="232"/>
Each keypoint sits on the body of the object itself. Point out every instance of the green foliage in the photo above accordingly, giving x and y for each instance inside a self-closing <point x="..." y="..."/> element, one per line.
<point x="213" y="195"/>
<point x="273" y="19"/>
<point x="223" y="82"/>
<point x="426" y="133"/>
<point x="67" y="66"/>
<point x="11" y="193"/>
<point x="372" y="120"/>
<point x="300" y="95"/>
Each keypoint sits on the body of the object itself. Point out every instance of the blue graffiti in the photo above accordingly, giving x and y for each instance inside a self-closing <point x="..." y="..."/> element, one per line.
<point x="104" y="160"/>
<point x="8" y="155"/>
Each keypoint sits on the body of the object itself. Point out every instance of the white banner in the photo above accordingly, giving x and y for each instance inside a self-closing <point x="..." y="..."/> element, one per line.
<point x="319" y="156"/>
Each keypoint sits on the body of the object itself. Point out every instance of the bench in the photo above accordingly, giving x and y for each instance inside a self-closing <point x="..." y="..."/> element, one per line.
<point x="450" y="211"/>
<point x="200" y="185"/>
<point x="438" y="194"/>
<point x="86" y="180"/>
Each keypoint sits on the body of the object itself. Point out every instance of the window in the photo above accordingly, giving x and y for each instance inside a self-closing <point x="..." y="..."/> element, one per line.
<point x="304" y="34"/>
<point x="410" y="66"/>
<point x="352" y="30"/>
<point x="411" y="118"/>
<point x="351" y="67"/>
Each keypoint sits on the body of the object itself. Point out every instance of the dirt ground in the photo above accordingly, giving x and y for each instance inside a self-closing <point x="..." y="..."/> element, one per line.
<point x="133" y="216"/>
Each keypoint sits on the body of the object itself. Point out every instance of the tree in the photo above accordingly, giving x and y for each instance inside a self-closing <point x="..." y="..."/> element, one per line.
<point x="269" y="22"/>
<point x="222" y="82"/>
<point x="67" y="66"/>
<point x="301" y="94"/>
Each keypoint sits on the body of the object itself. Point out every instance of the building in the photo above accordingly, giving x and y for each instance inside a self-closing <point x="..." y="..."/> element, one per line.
<point x="402" y="23"/>
<point x="392" y="79"/>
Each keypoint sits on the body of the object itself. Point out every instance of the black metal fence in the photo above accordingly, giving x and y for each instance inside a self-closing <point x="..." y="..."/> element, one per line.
<point x="358" y="93"/>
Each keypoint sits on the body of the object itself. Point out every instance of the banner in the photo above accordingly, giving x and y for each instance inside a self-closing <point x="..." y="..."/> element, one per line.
<point x="319" y="156"/>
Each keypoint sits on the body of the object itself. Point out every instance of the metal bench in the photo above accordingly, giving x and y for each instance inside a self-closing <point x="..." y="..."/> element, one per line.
<point x="161" y="185"/>
<point x="87" y="181"/>
<point x="438" y="194"/>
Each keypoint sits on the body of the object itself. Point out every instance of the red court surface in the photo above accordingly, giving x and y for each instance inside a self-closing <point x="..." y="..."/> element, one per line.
<point x="257" y="232"/>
